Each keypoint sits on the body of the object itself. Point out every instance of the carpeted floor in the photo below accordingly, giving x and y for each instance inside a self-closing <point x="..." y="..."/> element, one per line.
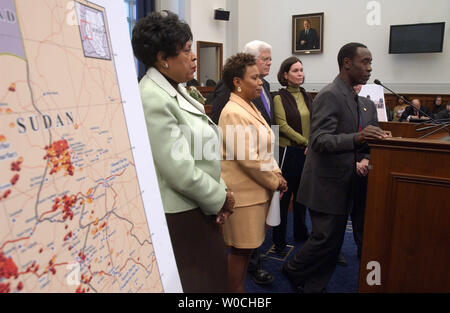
<point x="344" y="280"/>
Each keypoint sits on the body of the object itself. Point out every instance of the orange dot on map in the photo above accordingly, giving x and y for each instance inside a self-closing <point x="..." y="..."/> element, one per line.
<point x="2" y="138"/>
<point x="8" y="111"/>
<point x="12" y="87"/>
<point x="12" y="125"/>
<point x="76" y="126"/>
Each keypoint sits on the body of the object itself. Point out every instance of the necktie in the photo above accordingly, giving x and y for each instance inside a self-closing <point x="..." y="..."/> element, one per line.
<point x="264" y="100"/>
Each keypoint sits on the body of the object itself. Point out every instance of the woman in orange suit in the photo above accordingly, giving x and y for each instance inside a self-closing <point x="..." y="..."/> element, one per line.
<point x="248" y="166"/>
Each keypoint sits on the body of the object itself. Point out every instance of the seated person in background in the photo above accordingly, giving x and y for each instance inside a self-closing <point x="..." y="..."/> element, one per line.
<point x="399" y="109"/>
<point x="412" y="112"/>
<point x="444" y="114"/>
<point x="192" y="82"/>
<point x="438" y="107"/>
<point x="210" y="83"/>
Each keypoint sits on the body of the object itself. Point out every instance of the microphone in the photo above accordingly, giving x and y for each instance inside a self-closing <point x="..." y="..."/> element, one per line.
<point x="378" y="82"/>
<point x="436" y="130"/>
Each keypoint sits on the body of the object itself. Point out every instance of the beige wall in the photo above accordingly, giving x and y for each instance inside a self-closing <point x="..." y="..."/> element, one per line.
<point x="344" y="21"/>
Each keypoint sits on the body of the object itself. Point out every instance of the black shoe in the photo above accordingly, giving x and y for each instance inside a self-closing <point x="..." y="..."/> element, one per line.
<point x="281" y="251"/>
<point x="341" y="260"/>
<point x="261" y="277"/>
<point x="298" y="284"/>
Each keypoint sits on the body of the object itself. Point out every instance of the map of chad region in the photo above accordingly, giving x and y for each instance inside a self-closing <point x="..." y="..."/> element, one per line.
<point x="72" y="217"/>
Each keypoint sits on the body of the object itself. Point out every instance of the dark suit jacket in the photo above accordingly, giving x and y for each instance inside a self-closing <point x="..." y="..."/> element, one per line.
<point x="312" y="40"/>
<point x="409" y="110"/>
<point x="221" y="95"/>
<point x="444" y="114"/>
<point x="330" y="167"/>
<point x="369" y="116"/>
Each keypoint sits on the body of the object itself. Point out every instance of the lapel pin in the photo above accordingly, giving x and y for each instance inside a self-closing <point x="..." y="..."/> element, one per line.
<point x="365" y="109"/>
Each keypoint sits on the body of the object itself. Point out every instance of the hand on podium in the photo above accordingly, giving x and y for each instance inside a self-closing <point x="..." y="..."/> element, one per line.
<point x="372" y="132"/>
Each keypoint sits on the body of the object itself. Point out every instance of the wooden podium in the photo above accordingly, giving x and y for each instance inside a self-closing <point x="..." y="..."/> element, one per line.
<point x="407" y="220"/>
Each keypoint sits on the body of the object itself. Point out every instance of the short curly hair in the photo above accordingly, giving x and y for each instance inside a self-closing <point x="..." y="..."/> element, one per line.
<point x="236" y="66"/>
<point x="284" y="68"/>
<point x="348" y="51"/>
<point x="159" y="31"/>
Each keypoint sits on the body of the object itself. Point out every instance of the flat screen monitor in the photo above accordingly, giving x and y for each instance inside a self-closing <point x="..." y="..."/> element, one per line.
<point x="417" y="38"/>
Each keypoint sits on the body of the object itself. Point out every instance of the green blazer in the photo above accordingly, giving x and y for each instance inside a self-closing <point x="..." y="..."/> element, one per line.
<point x="185" y="147"/>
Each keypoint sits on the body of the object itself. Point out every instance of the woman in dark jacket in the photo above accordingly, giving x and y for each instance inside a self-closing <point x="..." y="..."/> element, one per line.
<point x="292" y="114"/>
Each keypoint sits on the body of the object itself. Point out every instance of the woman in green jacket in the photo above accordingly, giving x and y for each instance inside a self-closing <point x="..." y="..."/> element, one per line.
<point x="193" y="194"/>
<point x="292" y="114"/>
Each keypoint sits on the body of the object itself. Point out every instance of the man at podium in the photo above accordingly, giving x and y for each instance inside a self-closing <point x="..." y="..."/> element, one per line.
<point x="329" y="174"/>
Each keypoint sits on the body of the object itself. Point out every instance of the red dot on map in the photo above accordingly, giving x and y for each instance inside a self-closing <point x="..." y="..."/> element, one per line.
<point x="12" y="87"/>
<point x="6" y="193"/>
<point x="14" y="179"/>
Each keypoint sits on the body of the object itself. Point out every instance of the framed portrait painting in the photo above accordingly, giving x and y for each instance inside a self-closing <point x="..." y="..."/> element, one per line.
<point x="307" y="33"/>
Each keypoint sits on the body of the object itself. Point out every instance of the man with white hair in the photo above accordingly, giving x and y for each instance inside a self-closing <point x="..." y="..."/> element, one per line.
<point x="263" y="53"/>
<point x="264" y="103"/>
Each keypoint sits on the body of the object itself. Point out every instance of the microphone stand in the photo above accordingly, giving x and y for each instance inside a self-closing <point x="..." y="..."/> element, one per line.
<point x="376" y="81"/>
<point x="440" y="121"/>
<point x="436" y="130"/>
